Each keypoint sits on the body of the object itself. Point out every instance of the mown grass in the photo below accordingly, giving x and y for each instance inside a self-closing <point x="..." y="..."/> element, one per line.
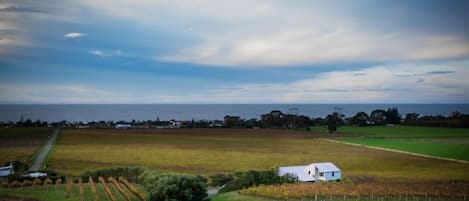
<point x="441" y="142"/>
<point x="421" y="146"/>
<point x="234" y="196"/>
<point x="21" y="143"/>
<point x="210" y="151"/>
<point x="405" y="131"/>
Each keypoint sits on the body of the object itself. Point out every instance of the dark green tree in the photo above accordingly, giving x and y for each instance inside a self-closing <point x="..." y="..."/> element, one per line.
<point x="411" y="116"/>
<point x="174" y="187"/>
<point x="332" y="122"/>
<point x="360" y="119"/>
<point x="393" y="116"/>
<point x="378" y="117"/>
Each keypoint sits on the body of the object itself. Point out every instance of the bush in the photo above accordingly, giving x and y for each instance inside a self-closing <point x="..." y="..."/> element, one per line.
<point x="174" y="187"/>
<point x="220" y="179"/>
<point x="131" y="173"/>
<point x="255" y="178"/>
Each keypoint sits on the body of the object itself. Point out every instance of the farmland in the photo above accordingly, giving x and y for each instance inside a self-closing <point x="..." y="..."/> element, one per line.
<point x="73" y="191"/>
<point x="21" y="143"/>
<point x="360" y="191"/>
<point x="441" y="142"/>
<point x="210" y="151"/>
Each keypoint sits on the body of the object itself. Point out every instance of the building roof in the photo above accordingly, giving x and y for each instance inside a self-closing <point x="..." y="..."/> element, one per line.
<point x="299" y="171"/>
<point x="6" y="167"/>
<point x="6" y="170"/>
<point x="35" y="174"/>
<point x="325" y="167"/>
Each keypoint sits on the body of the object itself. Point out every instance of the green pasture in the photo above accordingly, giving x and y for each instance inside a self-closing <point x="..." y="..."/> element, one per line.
<point x="442" y="142"/>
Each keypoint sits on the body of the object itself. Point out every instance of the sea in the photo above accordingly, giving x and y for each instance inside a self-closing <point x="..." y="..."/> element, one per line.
<point x="128" y="112"/>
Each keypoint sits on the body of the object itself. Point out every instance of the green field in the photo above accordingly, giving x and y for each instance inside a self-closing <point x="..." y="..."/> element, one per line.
<point x="233" y="196"/>
<point x="441" y="142"/>
<point x="405" y="131"/>
<point x="210" y="151"/>
<point x="21" y="143"/>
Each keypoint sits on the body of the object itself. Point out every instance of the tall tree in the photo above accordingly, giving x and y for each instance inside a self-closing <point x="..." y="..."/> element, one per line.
<point x="360" y="119"/>
<point x="378" y="116"/>
<point x="332" y="121"/>
<point x="393" y="116"/>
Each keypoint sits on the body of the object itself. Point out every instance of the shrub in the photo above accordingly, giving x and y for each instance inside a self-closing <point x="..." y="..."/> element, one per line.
<point x="174" y="187"/>
<point x="220" y="179"/>
<point x="255" y="178"/>
<point x="131" y="173"/>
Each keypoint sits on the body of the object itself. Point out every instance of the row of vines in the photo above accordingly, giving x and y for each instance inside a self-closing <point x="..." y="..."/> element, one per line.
<point x="370" y="191"/>
<point x="121" y="184"/>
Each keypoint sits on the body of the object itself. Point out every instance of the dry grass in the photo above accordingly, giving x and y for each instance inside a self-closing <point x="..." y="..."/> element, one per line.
<point x="457" y="191"/>
<point x="21" y="143"/>
<point x="209" y="151"/>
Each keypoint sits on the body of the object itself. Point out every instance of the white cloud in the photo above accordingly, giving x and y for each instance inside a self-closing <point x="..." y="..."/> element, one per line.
<point x="102" y="53"/>
<point x="276" y="33"/>
<point x="74" y="35"/>
<point x="308" y="47"/>
<point x="96" y="52"/>
<point x="12" y="36"/>
<point x="63" y="94"/>
<point x="399" y="83"/>
<point x="378" y="84"/>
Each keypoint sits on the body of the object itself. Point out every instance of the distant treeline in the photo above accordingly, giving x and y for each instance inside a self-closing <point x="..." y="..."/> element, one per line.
<point x="274" y="119"/>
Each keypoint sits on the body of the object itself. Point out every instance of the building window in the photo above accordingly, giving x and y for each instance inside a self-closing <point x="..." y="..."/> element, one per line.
<point x="321" y="174"/>
<point x="309" y="172"/>
<point x="333" y="173"/>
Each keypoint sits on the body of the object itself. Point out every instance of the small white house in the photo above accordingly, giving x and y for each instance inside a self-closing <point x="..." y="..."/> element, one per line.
<point x="35" y="174"/>
<point x="325" y="171"/>
<point x="6" y="170"/>
<point x="123" y="126"/>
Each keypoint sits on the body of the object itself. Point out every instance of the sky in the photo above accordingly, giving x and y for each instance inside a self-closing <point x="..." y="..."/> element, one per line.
<point x="240" y="51"/>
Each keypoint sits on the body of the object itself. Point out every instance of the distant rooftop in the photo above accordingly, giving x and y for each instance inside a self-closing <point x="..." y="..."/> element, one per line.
<point x="325" y="167"/>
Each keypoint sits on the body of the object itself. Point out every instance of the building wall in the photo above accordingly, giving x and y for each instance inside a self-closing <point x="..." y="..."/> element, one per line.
<point x="5" y="172"/>
<point x="328" y="176"/>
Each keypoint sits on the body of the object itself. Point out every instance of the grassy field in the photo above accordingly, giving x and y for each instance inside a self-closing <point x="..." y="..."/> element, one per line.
<point x="405" y="131"/>
<point x="210" y="151"/>
<point x="21" y="143"/>
<point x="234" y="196"/>
<point x="441" y="142"/>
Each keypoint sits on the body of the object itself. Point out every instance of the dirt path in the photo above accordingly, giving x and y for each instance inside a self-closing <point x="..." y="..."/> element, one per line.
<point x="397" y="151"/>
<point x="45" y="150"/>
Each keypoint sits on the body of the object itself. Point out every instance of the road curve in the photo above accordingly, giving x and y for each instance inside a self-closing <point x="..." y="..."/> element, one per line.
<point x="45" y="150"/>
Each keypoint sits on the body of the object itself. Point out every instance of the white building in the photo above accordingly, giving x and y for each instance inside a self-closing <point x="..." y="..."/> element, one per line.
<point x="6" y="170"/>
<point x="325" y="171"/>
<point x="35" y="174"/>
<point x="123" y="126"/>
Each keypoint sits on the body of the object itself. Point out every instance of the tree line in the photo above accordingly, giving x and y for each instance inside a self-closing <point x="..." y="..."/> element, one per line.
<point x="273" y="119"/>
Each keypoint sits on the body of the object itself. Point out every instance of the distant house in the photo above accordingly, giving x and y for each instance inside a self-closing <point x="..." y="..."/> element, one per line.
<point x="83" y="125"/>
<point x="6" y="170"/>
<point x="325" y="171"/>
<point x="123" y="126"/>
<point x="216" y="124"/>
<point x="35" y="174"/>
<point x="231" y="121"/>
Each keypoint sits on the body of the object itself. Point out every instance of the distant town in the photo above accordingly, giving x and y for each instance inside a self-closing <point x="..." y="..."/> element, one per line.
<point x="274" y="119"/>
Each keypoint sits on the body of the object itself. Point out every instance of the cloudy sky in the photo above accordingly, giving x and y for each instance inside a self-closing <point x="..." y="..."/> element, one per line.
<point x="240" y="51"/>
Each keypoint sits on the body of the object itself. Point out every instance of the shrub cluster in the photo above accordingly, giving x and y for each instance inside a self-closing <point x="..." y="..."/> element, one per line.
<point x="131" y="173"/>
<point x="250" y="178"/>
<point x="173" y="187"/>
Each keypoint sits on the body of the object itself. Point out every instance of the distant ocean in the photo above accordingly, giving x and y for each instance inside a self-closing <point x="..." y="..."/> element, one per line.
<point x="127" y="112"/>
